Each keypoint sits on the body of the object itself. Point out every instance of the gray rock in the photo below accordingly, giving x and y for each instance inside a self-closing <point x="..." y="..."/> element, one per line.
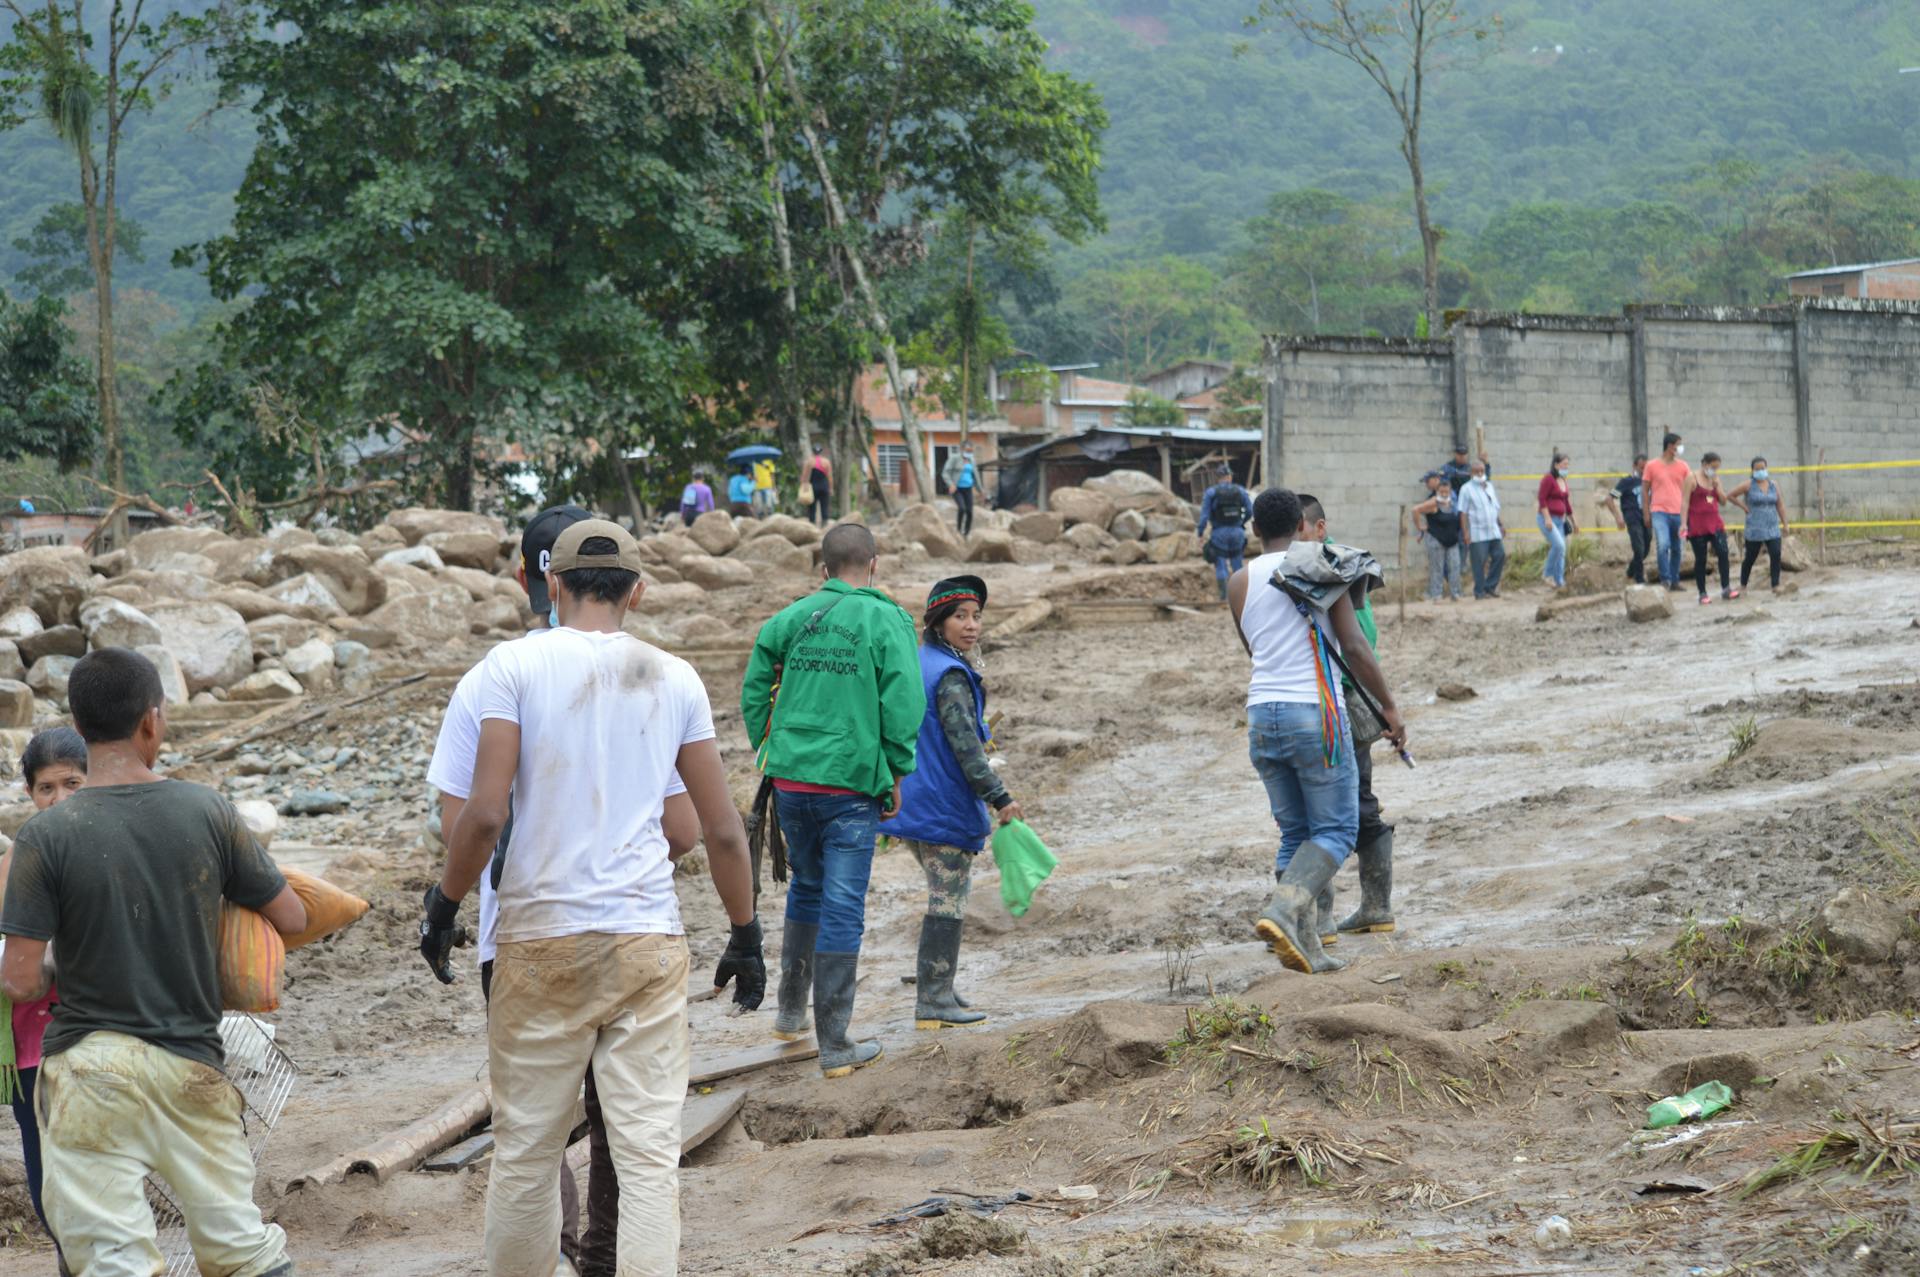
<point x="314" y="802"/>
<point x="209" y="640"/>
<point x="312" y="664"/>
<point x="16" y="704"/>
<point x="424" y="557"/>
<point x="1128" y="525"/>
<point x="20" y="622"/>
<point x="716" y="533"/>
<point x="716" y="574"/>
<point x="348" y="654"/>
<point x="53" y="580"/>
<point x="11" y="666"/>
<point x="305" y="590"/>
<point x="1039" y="526"/>
<point x="989" y="545"/>
<point x="261" y="820"/>
<point x="173" y="683"/>
<point x="266" y="685"/>
<point x="110" y="623"/>
<point x="1860" y="926"/>
<point x="55" y="640"/>
<point x="1648" y="603"/>
<point x="49" y="676"/>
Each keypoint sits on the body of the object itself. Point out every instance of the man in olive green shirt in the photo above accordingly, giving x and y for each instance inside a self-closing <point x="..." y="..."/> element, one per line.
<point x="833" y="701"/>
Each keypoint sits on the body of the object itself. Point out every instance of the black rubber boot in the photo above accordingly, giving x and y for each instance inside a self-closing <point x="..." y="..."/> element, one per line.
<point x="1323" y="916"/>
<point x="934" y="1003"/>
<point x="1376" y="886"/>
<point x="1290" y="922"/>
<point x="833" y="977"/>
<point x="796" y="980"/>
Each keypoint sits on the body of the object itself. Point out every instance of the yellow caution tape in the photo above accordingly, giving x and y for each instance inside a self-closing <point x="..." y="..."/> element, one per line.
<point x="1830" y="465"/>
<point x="1741" y="527"/>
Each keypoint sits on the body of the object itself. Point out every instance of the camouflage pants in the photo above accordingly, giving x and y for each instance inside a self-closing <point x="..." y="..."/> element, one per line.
<point x="949" y="873"/>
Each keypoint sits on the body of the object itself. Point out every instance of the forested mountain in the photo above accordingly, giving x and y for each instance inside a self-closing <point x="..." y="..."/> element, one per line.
<point x="1593" y="105"/>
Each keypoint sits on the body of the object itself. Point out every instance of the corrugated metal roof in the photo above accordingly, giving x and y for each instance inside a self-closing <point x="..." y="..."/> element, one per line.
<point x="1854" y="269"/>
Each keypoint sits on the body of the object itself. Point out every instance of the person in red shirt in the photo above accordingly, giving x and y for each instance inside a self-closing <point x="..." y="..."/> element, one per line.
<point x="1556" y="519"/>
<point x="1705" y="529"/>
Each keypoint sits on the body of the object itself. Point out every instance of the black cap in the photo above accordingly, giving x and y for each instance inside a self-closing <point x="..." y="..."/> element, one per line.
<point x="536" y="546"/>
<point x="957" y="587"/>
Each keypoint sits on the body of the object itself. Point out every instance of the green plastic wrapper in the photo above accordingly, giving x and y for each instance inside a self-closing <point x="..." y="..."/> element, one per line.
<point x="1024" y="863"/>
<point x="1703" y="1100"/>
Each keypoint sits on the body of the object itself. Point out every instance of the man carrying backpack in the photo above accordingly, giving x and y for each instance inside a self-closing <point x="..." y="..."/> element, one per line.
<point x="1226" y="506"/>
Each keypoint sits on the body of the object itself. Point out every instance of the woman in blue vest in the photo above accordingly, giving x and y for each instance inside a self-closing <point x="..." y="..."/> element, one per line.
<point x="943" y="801"/>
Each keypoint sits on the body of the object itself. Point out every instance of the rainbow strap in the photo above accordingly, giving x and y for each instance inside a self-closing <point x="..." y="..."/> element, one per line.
<point x="1333" y="707"/>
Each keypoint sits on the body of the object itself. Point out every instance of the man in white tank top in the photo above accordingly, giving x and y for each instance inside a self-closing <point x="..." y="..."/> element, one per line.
<point x="1297" y="731"/>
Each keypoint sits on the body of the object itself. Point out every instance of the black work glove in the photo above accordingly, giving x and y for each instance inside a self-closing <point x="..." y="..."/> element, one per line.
<point x="439" y="933"/>
<point x="743" y="960"/>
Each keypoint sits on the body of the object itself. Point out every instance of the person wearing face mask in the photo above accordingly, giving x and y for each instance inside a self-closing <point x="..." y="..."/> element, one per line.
<point x="1436" y="521"/>
<point x="833" y="703"/>
<point x="1760" y="497"/>
<point x="1484" y="532"/>
<point x="943" y="802"/>
<point x="1666" y="488"/>
<point x="1556" y="519"/>
<point x="1706" y="532"/>
<point x="1625" y="505"/>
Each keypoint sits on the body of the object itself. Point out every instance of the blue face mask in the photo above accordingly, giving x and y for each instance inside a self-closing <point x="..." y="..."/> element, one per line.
<point x="1761" y="474"/>
<point x="553" y="617"/>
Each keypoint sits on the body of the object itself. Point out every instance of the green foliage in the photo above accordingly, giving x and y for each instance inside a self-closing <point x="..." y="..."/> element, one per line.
<point x="1150" y="412"/>
<point x="57" y="247"/>
<point x="495" y="233"/>
<point x="47" y="406"/>
<point x="1143" y="317"/>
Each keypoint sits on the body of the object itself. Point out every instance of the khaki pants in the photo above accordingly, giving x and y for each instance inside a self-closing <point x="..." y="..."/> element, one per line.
<point x="619" y="1003"/>
<point x="114" y="1109"/>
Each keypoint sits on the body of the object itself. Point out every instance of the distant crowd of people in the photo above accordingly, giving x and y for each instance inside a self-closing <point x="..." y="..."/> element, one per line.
<point x="751" y="486"/>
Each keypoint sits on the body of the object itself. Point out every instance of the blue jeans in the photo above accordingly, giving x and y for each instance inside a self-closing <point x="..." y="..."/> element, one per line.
<point x="1555" y="530"/>
<point x="830" y="858"/>
<point x="1667" y="542"/>
<point x="1310" y="800"/>
<point x="1229" y="551"/>
<point x="23" y="1113"/>
<point x="1489" y="560"/>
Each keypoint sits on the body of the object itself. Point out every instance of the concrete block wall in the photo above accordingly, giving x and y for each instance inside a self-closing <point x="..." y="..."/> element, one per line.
<point x="1864" y="395"/>
<point x="1359" y="423"/>
<point x="1726" y="386"/>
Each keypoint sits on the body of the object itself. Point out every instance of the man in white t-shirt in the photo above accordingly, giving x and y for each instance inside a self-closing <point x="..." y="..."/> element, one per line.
<point x="451" y="773"/>
<point x="583" y="728"/>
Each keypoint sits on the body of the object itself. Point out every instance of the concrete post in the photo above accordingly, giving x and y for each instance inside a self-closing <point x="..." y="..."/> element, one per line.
<point x="1040" y="496"/>
<point x="1637" y="383"/>
<point x="1802" y="402"/>
<point x="1458" y="371"/>
<point x="1273" y="424"/>
<point x="1166" y="467"/>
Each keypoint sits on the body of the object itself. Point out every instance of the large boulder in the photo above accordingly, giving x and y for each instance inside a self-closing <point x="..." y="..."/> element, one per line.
<point x="1078" y="505"/>
<point x="311" y="663"/>
<point x="990" y="545"/>
<point x="1088" y="538"/>
<point x="381" y="539"/>
<point x="55" y="640"/>
<point x="403" y="578"/>
<point x="715" y="532"/>
<point x="776" y="554"/>
<point x="926" y="527"/>
<point x="20" y="622"/>
<point x="210" y="641"/>
<point x="278" y="635"/>
<point x="156" y="550"/>
<point x="1173" y="547"/>
<point x="16" y="703"/>
<point x="53" y="580"/>
<point x="436" y="615"/>
<point x="252" y="604"/>
<point x="260" y="818"/>
<point x="285" y="536"/>
<point x="348" y="574"/>
<point x="1128" y="525"/>
<point x="465" y="549"/>
<point x="416" y="525"/>
<point x="266" y="685"/>
<point x="11" y="666"/>
<point x="1123" y="553"/>
<point x="1648" y="602"/>
<point x="306" y="591"/>
<point x="672" y="547"/>
<point x="799" y="531"/>
<point x="1040" y="526"/>
<point x="173" y="683"/>
<point x="1793" y="554"/>
<point x="1131" y="490"/>
<point x="49" y="675"/>
<point x="1860" y="926"/>
<point x="673" y="600"/>
<point x="716" y="574"/>
<point x="1166" y="525"/>
<point x="496" y="612"/>
<point x="700" y="629"/>
<point x="236" y="562"/>
<point x="111" y="623"/>
<point x="423" y="557"/>
<point x="660" y="574"/>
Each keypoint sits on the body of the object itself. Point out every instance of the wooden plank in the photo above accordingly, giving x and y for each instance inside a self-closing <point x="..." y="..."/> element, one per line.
<point x="750" y="1060"/>
<point x="407" y="1147"/>
<point x="704" y="1117"/>
<point x="461" y="1155"/>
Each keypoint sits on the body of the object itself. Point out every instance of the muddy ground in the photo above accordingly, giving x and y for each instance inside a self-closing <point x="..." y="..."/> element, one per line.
<point x="1597" y="907"/>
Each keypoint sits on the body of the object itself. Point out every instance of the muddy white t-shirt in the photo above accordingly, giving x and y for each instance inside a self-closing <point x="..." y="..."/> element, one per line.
<point x="451" y="772"/>
<point x="602" y="718"/>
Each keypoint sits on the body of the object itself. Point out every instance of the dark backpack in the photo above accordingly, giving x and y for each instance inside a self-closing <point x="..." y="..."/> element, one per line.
<point x="1229" y="506"/>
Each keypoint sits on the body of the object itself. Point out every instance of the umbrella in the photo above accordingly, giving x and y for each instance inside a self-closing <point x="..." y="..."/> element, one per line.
<point x="753" y="452"/>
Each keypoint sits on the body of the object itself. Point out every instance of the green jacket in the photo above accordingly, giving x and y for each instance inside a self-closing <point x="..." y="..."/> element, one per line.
<point x="851" y="697"/>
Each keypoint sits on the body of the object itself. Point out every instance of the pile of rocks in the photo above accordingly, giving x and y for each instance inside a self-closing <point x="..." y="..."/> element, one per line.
<point x="1120" y="518"/>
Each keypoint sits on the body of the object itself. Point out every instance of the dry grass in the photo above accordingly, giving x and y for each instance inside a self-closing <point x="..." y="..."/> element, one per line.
<point x="1855" y="1147"/>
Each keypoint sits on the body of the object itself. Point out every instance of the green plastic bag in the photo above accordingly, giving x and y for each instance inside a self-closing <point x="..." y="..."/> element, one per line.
<point x="1024" y="864"/>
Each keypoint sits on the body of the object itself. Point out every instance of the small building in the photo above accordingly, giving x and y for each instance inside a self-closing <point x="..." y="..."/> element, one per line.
<point x="939" y="432"/>
<point x="1186" y="378"/>
<point x="1026" y="476"/>
<point x="1077" y="401"/>
<point x="1877" y="281"/>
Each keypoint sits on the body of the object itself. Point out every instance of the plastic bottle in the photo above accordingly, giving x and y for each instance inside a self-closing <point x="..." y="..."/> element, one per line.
<point x="1554" y="1233"/>
<point x="1703" y="1100"/>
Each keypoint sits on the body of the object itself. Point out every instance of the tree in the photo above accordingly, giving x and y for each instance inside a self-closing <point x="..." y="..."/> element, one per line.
<point x="1148" y="411"/>
<point x="1318" y="262"/>
<point x="1143" y="316"/>
<point x="47" y="407"/>
<point x="1399" y="45"/>
<point x="85" y="79"/>
<point x="471" y="225"/>
<point x="58" y="247"/>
